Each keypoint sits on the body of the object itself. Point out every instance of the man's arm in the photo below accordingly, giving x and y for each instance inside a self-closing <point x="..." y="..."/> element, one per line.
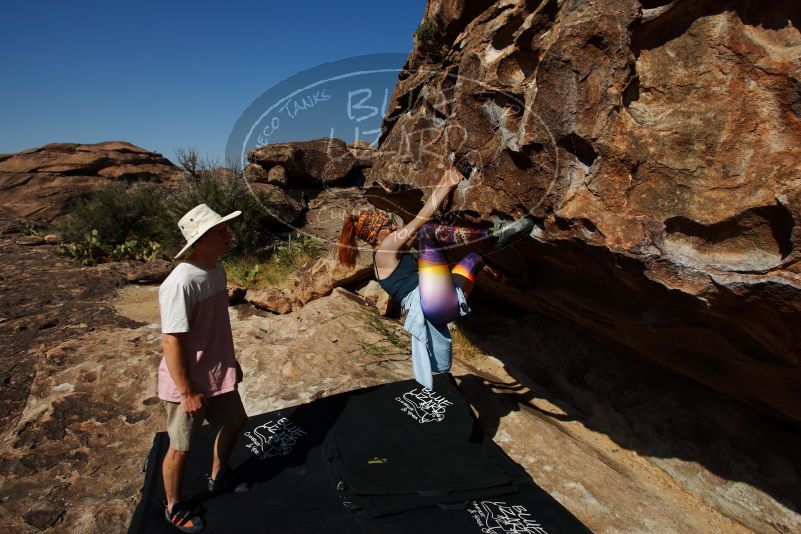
<point x="176" y="364"/>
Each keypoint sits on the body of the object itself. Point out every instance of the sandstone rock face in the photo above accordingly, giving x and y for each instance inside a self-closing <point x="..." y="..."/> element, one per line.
<point x="328" y="209"/>
<point x="86" y="452"/>
<point x="364" y="152"/>
<point x="284" y="208"/>
<point x="151" y="272"/>
<point x="320" y="276"/>
<point x="277" y="176"/>
<point x="271" y="299"/>
<point x="327" y="172"/>
<point x="31" y="240"/>
<point x="255" y="173"/>
<point x="376" y="296"/>
<point x="41" y="182"/>
<point x="657" y="144"/>
<point x="321" y="161"/>
<point x="43" y="298"/>
<point x="624" y="417"/>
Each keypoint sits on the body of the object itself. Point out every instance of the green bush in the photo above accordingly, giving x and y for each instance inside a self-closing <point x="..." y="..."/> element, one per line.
<point x="117" y="223"/>
<point x="118" y="214"/>
<point x="428" y="36"/>
<point x="30" y="229"/>
<point x="295" y="252"/>
<point x="273" y="268"/>
<point x="224" y="190"/>
<point x="144" y="250"/>
<point x="245" y="271"/>
<point x="88" y="249"/>
<point x="141" y="221"/>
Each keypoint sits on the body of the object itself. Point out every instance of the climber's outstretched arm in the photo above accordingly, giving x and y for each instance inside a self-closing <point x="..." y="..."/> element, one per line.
<point x="395" y="241"/>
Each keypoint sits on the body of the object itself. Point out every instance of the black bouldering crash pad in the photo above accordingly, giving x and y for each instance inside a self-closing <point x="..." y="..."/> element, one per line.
<point x="389" y="459"/>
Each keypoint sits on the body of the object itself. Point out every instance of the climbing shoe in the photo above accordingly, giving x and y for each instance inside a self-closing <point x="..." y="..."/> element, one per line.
<point x="505" y="231"/>
<point x="183" y="517"/>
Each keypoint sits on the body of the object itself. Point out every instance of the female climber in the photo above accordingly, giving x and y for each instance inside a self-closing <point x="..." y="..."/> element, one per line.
<point x="429" y="291"/>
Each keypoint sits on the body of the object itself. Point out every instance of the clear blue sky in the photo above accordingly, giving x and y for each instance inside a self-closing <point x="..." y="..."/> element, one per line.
<point x="167" y="74"/>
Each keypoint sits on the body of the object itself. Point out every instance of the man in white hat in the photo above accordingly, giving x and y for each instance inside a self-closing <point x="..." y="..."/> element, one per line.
<point x="199" y="373"/>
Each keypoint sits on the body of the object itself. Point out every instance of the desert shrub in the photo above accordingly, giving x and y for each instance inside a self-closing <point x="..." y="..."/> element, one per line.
<point x="428" y="36"/>
<point x="245" y="271"/>
<point x="143" y="250"/>
<point x="116" y="223"/>
<point x="88" y="249"/>
<point x="275" y="265"/>
<point x="296" y="251"/>
<point x="31" y="228"/>
<point x="224" y="190"/>
<point x="141" y="221"/>
<point x="118" y="214"/>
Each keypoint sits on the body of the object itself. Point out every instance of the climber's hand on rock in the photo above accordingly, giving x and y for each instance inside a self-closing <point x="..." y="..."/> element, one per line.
<point x="451" y="178"/>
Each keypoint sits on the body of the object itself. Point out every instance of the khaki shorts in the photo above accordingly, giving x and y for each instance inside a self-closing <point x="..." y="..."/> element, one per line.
<point x="220" y="410"/>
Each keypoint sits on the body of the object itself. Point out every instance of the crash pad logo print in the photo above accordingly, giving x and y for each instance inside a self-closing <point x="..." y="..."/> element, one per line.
<point x="274" y="438"/>
<point x="497" y="517"/>
<point x="423" y="405"/>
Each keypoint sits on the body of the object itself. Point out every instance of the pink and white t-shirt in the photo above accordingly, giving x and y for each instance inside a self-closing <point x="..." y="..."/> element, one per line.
<point x="194" y="301"/>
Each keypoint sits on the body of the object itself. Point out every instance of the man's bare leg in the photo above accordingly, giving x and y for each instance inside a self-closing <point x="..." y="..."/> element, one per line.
<point x="224" y="444"/>
<point x="172" y="470"/>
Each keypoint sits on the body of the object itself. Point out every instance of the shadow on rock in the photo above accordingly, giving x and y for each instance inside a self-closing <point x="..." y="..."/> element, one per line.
<point x="661" y="416"/>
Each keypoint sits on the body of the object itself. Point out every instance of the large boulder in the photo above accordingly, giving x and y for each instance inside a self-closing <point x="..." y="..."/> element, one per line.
<point x="255" y="173"/>
<point x="320" y="162"/>
<point x="41" y="183"/>
<point x="364" y="152"/>
<point x="277" y="176"/>
<point x="320" y="276"/>
<point x="328" y="209"/>
<point x="151" y="272"/>
<point x="272" y="299"/>
<point x="374" y="294"/>
<point x="284" y="209"/>
<point x="658" y="147"/>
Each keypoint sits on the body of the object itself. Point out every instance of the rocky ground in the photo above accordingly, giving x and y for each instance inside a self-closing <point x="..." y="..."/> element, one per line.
<point x="621" y="445"/>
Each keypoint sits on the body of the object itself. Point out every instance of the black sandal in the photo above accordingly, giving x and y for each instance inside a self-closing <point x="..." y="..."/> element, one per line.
<point x="183" y="517"/>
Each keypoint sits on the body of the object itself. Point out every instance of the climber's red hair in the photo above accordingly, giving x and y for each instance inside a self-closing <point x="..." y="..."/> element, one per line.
<point x="346" y="248"/>
<point x="367" y="226"/>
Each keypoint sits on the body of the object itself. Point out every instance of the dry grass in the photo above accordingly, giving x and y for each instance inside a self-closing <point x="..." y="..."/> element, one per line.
<point x="392" y="341"/>
<point x="286" y="257"/>
<point x="463" y="348"/>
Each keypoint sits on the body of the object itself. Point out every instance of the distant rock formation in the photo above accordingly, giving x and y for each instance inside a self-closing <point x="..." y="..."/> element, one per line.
<point x="658" y="144"/>
<point x="40" y="183"/>
<point x="320" y="179"/>
<point x="327" y="210"/>
<point x="321" y="161"/>
<point x="326" y="174"/>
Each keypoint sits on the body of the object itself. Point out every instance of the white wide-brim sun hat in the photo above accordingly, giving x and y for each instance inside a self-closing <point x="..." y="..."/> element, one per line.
<point x="198" y="221"/>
